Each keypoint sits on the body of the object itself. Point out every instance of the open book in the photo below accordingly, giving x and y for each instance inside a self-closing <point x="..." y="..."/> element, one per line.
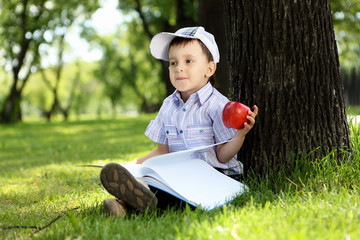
<point x="191" y="180"/>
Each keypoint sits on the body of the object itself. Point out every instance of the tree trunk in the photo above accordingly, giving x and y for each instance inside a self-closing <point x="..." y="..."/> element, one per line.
<point x="75" y="84"/>
<point x="11" y="111"/>
<point x="166" y="78"/>
<point x="55" y="103"/>
<point x="283" y="58"/>
<point x="59" y="67"/>
<point x="211" y="17"/>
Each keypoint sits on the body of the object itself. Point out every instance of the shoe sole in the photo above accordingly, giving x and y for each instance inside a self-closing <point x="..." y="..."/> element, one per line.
<point x="121" y="183"/>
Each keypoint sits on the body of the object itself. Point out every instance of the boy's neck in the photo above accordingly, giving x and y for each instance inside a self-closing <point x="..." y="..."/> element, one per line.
<point x="185" y="96"/>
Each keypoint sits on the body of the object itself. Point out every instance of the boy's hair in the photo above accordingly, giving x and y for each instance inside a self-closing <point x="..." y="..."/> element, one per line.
<point x="180" y="41"/>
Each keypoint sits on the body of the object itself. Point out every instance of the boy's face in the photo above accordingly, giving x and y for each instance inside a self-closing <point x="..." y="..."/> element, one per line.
<point x="189" y="68"/>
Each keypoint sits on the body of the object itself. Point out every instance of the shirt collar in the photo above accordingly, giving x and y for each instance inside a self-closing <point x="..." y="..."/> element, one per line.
<point x="203" y="94"/>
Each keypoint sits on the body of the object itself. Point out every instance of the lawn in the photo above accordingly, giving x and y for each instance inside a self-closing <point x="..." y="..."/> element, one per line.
<point x="43" y="195"/>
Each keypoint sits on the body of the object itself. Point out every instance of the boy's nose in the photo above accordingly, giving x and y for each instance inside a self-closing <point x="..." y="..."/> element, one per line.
<point x="179" y="67"/>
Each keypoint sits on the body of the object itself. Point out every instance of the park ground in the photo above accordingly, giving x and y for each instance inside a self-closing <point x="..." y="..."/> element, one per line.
<point x="43" y="195"/>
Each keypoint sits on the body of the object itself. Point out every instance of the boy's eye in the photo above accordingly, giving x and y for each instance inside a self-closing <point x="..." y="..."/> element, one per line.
<point x="173" y="63"/>
<point x="189" y="61"/>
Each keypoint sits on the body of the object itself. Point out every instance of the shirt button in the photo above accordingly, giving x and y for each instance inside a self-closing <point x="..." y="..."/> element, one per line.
<point x="181" y="131"/>
<point x="184" y="110"/>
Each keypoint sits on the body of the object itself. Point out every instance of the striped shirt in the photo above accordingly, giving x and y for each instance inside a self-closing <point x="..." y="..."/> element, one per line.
<point x="197" y="122"/>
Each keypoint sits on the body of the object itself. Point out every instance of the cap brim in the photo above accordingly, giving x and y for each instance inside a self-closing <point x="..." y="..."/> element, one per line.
<point x="159" y="45"/>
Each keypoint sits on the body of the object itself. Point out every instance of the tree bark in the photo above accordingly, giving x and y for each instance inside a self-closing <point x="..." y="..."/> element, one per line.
<point x="211" y="17"/>
<point x="283" y="58"/>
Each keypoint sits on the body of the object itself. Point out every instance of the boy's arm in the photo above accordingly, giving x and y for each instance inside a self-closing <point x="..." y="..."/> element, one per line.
<point x="225" y="152"/>
<point x="161" y="149"/>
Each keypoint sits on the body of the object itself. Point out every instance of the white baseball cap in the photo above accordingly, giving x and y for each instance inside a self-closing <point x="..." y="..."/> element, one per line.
<point x="159" y="45"/>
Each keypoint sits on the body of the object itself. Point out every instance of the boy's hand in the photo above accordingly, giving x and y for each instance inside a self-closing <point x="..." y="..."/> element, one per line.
<point x="251" y="118"/>
<point x="225" y="152"/>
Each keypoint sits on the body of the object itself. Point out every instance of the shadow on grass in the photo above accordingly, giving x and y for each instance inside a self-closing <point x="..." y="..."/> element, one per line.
<point x="27" y="145"/>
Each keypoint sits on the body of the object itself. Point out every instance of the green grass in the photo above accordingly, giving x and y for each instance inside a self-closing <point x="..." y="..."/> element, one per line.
<point x="39" y="182"/>
<point x="353" y="110"/>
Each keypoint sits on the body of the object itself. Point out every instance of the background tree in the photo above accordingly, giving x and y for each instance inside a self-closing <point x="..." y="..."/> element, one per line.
<point x="126" y="69"/>
<point x="283" y="57"/>
<point x="346" y="15"/>
<point x="109" y="72"/>
<point x="137" y="71"/>
<point x="54" y="87"/>
<point x="142" y="72"/>
<point x="23" y="24"/>
<point x="78" y="92"/>
<point x="82" y="86"/>
<point x="211" y="17"/>
<point x="162" y="16"/>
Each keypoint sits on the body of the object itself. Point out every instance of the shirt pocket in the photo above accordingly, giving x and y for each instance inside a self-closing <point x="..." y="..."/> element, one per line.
<point x="200" y="135"/>
<point x="171" y="134"/>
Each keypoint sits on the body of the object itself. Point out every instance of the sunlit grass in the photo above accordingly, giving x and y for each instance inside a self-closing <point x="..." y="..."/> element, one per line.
<point x="39" y="181"/>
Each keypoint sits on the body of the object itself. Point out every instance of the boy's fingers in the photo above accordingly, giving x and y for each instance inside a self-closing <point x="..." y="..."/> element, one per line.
<point x="251" y="114"/>
<point x="248" y="126"/>
<point x="251" y="120"/>
<point x="256" y="110"/>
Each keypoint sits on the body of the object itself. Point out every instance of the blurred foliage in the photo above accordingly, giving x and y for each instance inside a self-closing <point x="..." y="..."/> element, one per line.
<point x="38" y="98"/>
<point x="128" y="72"/>
<point x="127" y="77"/>
<point x="346" y="16"/>
<point x="25" y="25"/>
<point x="37" y="21"/>
<point x="156" y="12"/>
<point x="161" y="16"/>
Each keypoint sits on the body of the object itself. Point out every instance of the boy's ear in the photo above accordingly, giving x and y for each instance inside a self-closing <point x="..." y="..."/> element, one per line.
<point x="211" y="69"/>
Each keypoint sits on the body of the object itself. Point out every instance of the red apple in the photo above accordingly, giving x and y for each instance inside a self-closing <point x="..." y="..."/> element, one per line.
<point x="234" y="115"/>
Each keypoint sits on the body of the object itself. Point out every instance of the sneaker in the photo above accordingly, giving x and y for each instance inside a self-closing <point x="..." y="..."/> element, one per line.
<point x="114" y="207"/>
<point x="121" y="183"/>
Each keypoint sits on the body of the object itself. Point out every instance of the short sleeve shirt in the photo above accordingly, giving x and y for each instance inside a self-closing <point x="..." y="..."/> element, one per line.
<point x="197" y="122"/>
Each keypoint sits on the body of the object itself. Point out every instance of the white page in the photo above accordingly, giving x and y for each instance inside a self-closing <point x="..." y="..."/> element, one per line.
<point x="160" y="185"/>
<point x="198" y="182"/>
<point x="185" y="154"/>
<point x="194" y="180"/>
<point x="134" y="169"/>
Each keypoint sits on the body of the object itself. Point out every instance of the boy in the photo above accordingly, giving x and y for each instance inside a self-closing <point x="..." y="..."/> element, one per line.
<point x="190" y="117"/>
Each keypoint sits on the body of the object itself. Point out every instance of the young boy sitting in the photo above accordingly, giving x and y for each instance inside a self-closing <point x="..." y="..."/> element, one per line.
<point x="188" y="118"/>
